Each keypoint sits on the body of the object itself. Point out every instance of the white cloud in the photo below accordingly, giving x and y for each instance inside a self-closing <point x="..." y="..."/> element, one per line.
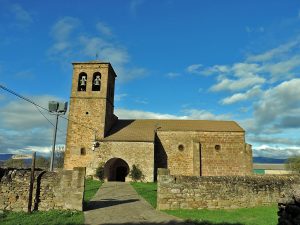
<point x="67" y="46"/>
<point x="119" y="97"/>
<point x="194" y="69"/>
<point x="21" y="121"/>
<point x="64" y="27"/>
<point x="255" y="29"/>
<point x="172" y="75"/>
<point x="275" y="52"/>
<point x="134" y="4"/>
<point x="281" y="152"/>
<point x="192" y="114"/>
<point x="22" y="16"/>
<point x="255" y="91"/>
<point x="239" y="84"/>
<point x="104" y="29"/>
<point x="278" y="102"/>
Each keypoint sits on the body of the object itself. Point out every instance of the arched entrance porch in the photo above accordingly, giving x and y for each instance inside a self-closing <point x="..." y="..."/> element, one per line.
<point x="116" y="169"/>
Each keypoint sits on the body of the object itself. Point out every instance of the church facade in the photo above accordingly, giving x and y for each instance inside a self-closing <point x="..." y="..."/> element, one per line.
<point x="95" y="136"/>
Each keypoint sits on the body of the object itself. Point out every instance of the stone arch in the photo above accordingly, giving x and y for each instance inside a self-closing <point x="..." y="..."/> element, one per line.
<point x="116" y="169"/>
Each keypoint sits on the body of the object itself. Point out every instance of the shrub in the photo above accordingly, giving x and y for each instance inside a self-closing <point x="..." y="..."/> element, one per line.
<point x="100" y="172"/>
<point x="293" y="164"/>
<point x="135" y="173"/>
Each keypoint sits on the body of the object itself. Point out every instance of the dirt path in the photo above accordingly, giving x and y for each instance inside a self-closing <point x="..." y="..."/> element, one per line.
<point x="118" y="203"/>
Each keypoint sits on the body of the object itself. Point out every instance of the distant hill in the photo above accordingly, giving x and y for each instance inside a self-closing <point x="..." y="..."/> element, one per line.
<point x="268" y="160"/>
<point x="5" y="156"/>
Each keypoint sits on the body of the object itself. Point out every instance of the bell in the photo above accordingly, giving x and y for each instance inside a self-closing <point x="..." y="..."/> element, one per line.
<point x="83" y="81"/>
<point x="97" y="81"/>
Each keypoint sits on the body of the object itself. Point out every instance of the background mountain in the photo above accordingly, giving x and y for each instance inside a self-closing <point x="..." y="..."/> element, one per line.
<point x="268" y="160"/>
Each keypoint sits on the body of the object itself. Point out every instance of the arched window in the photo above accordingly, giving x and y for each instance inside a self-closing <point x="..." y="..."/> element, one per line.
<point x="82" y="81"/>
<point x="96" y="82"/>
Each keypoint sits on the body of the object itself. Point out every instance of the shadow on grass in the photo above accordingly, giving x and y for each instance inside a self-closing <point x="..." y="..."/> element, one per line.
<point x="106" y="203"/>
<point x="172" y="222"/>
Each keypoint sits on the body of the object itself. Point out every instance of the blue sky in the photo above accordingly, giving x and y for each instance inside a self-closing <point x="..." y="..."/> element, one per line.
<point x="217" y="60"/>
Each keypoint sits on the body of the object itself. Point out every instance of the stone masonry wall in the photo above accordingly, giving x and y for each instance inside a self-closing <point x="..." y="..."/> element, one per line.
<point x="138" y="153"/>
<point x="91" y="113"/>
<point x="52" y="190"/>
<point x="215" y="192"/>
<point x="199" y="156"/>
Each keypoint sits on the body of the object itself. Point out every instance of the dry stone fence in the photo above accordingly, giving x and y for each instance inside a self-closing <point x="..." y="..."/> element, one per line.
<point x="52" y="190"/>
<point x="186" y="192"/>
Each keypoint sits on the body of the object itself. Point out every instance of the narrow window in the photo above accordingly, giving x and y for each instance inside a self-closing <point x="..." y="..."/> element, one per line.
<point x="82" y="151"/>
<point x="96" y="81"/>
<point x="82" y="81"/>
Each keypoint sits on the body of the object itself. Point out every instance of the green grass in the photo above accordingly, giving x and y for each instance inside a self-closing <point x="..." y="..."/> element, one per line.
<point x="147" y="191"/>
<point x="264" y="215"/>
<point x="52" y="217"/>
<point x="91" y="187"/>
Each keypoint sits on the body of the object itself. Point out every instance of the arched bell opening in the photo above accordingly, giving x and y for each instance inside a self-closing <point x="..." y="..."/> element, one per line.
<point x="116" y="169"/>
<point x="96" y="81"/>
<point x="82" y="79"/>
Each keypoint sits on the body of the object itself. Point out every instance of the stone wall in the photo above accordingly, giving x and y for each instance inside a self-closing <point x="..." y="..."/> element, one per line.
<point x="52" y="190"/>
<point x="215" y="192"/>
<point x="138" y="153"/>
<point x="289" y="210"/>
<point x="91" y="113"/>
<point x="199" y="155"/>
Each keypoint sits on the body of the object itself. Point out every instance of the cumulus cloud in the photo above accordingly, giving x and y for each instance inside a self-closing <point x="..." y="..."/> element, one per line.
<point x="275" y="52"/>
<point x="172" y="75"/>
<point x="238" y="84"/>
<point x="253" y="92"/>
<point x="104" y="29"/>
<point x="281" y="152"/>
<point x="22" y="126"/>
<point x="278" y="102"/>
<point x="22" y="16"/>
<point x="134" y="4"/>
<point x="194" y="69"/>
<point x="192" y="114"/>
<point x="67" y="45"/>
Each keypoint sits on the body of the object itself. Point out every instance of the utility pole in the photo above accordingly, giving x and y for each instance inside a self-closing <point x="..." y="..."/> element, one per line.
<point x="56" y="108"/>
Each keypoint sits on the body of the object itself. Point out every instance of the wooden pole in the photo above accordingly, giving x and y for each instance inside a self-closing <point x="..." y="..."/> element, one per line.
<point x="31" y="182"/>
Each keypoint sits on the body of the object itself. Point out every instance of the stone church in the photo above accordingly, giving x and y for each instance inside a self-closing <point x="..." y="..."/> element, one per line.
<point x="96" y="136"/>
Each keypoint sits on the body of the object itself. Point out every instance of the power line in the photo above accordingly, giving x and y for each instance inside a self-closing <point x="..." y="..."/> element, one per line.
<point x="37" y="105"/>
<point x="49" y="120"/>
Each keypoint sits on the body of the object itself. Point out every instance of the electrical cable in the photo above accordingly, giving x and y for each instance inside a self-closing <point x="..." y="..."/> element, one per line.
<point x="37" y="105"/>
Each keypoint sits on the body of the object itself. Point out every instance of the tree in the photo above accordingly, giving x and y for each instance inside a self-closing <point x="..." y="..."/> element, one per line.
<point x="15" y="163"/>
<point x="42" y="162"/>
<point x="293" y="164"/>
<point x="59" y="158"/>
<point x="135" y="173"/>
<point x="100" y="172"/>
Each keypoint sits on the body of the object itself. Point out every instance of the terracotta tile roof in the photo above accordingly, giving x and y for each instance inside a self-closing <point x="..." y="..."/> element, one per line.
<point x="144" y="130"/>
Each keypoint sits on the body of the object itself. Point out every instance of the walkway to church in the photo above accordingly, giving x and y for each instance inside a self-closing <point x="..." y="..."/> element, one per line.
<point x="118" y="203"/>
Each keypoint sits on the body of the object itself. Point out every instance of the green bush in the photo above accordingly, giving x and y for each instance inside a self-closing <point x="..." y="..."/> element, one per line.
<point x="135" y="173"/>
<point x="100" y="172"/>
<point x="293" y="164"/>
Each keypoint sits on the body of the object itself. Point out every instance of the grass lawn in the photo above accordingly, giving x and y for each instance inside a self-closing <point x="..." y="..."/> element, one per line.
<point x="52" y="217"/>
<point x="91" y="187"/>
<point x="147" y="191"/>
<point x="264" y="215"/>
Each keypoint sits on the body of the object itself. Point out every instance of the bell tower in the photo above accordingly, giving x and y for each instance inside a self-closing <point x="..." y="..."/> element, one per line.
<point x="91" y="112"/>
